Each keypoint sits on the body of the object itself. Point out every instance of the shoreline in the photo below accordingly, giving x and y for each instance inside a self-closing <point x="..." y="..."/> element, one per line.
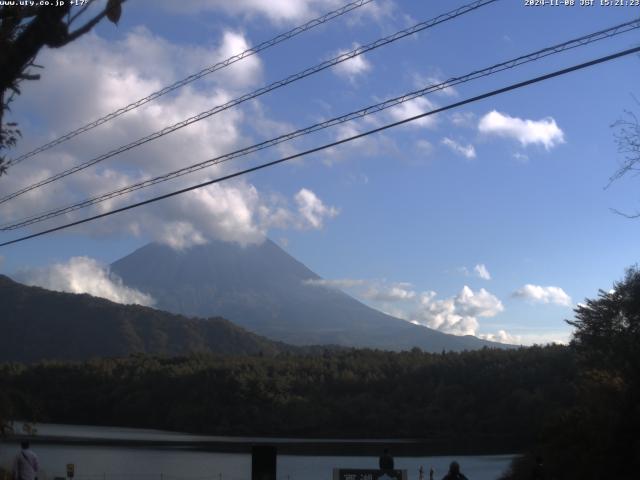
<point x="316" y="447"/>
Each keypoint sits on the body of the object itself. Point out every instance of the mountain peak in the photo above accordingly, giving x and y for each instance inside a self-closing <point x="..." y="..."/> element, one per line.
<point x="264" y="289"/>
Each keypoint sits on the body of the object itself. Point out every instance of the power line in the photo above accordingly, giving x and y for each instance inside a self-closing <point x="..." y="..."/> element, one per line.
<point x="256" y="93"/>
<point x="523" y="59"/>
<point x="492" y="93"/>
<point x="196" y="76"/>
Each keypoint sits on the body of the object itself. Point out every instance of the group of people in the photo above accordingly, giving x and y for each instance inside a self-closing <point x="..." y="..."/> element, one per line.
<point x="25" y="466"/>
<point x="386" y="463"/>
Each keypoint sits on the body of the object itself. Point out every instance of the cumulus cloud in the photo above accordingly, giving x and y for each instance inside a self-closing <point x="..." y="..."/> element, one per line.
<point x="121" y="72"/>
<point x="544" y="132"/>
<point x="458" y="314"/>
<point x="540" y="294"/>
<point x="467" y="151"/>
<point x="85" y="275"/>
<point x="312" y="209"/>
<point x="501" y="336"/>
<point x="352" y="68"/>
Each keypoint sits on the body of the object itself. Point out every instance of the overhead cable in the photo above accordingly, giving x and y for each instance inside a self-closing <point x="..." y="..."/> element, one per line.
<point x="509" y="64"/>
<point x="492" y="93"/>
<point x="196" y="76"/>
<point x="256" y="93"/>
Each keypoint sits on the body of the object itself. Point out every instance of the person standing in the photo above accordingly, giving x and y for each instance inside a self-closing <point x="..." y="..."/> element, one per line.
<point x="454" y="472"/>
<point x="386" y="460"/>
<point x="25" y="466"/>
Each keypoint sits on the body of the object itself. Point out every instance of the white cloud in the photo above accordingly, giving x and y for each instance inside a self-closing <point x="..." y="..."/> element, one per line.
<point x="352" y="68"/>
<point x="544" y="132"/>
<point x="335" y="283"/>
<point x="478" y="304"/>
<point x="467" y="151"/>
<point x="412" y="108"/>
<point x="459" y="314"/>
<point x="540" y="294"/>
<point x="124" y="71"/>
<point x="244" y="73"/>
<point x="541" y="337"/>
<point x="279" y="11"/>
<point x="501" y="336"/>
<point x="482" y="272"/>
<point x="85" y="275"/>
<point x="311" y="208"/>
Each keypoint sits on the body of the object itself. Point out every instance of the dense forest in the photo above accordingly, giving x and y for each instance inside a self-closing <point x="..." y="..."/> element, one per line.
<point x="488" y="397"/>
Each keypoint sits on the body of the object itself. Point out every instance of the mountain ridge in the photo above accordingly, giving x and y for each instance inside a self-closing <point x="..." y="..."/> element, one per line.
<point x="264" y="289"/>
<point x="39" y="324"/>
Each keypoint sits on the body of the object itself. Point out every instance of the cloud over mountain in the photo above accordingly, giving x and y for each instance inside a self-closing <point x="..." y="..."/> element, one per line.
<point x="124" y="71"/>
<point x="85" y="275"/>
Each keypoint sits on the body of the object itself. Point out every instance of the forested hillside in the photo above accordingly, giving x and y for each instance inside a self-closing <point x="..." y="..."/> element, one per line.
<point x="486" y="398"/>
<point x="39" y="324"/>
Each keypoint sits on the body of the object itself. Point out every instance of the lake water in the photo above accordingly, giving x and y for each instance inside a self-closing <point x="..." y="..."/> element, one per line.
<point x="184" y="463"/>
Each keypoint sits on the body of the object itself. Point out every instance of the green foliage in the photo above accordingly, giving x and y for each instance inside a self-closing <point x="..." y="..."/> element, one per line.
<point x="487" y="399"/>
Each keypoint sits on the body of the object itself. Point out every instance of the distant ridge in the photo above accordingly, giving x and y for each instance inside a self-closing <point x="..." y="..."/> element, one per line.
<point x="264" y="289"/>
<point x="38" y="324"/>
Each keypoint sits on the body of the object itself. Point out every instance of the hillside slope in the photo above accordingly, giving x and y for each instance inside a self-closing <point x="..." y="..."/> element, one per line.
<point x="38" y="324"/>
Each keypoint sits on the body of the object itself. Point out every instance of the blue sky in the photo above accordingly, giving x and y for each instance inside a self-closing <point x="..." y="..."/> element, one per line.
<point x="490" y="219"/>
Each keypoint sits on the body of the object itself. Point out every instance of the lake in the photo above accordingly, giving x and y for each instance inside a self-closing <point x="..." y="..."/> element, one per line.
<point x="185" y="462"/>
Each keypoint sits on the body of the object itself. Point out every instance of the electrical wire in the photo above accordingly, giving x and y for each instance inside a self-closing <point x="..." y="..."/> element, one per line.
<point x="492" y="93"/>
<point x="509" y="64"/>
<point x="256" y="93"/>
<point x="196" y="76"/>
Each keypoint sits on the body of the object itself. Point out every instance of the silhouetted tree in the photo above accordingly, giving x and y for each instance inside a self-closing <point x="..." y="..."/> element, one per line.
<point x="627" y="136"/>
<point x="24" y="30"/>
<point x="597" y="437"/>
<point x="607" y="334"/>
